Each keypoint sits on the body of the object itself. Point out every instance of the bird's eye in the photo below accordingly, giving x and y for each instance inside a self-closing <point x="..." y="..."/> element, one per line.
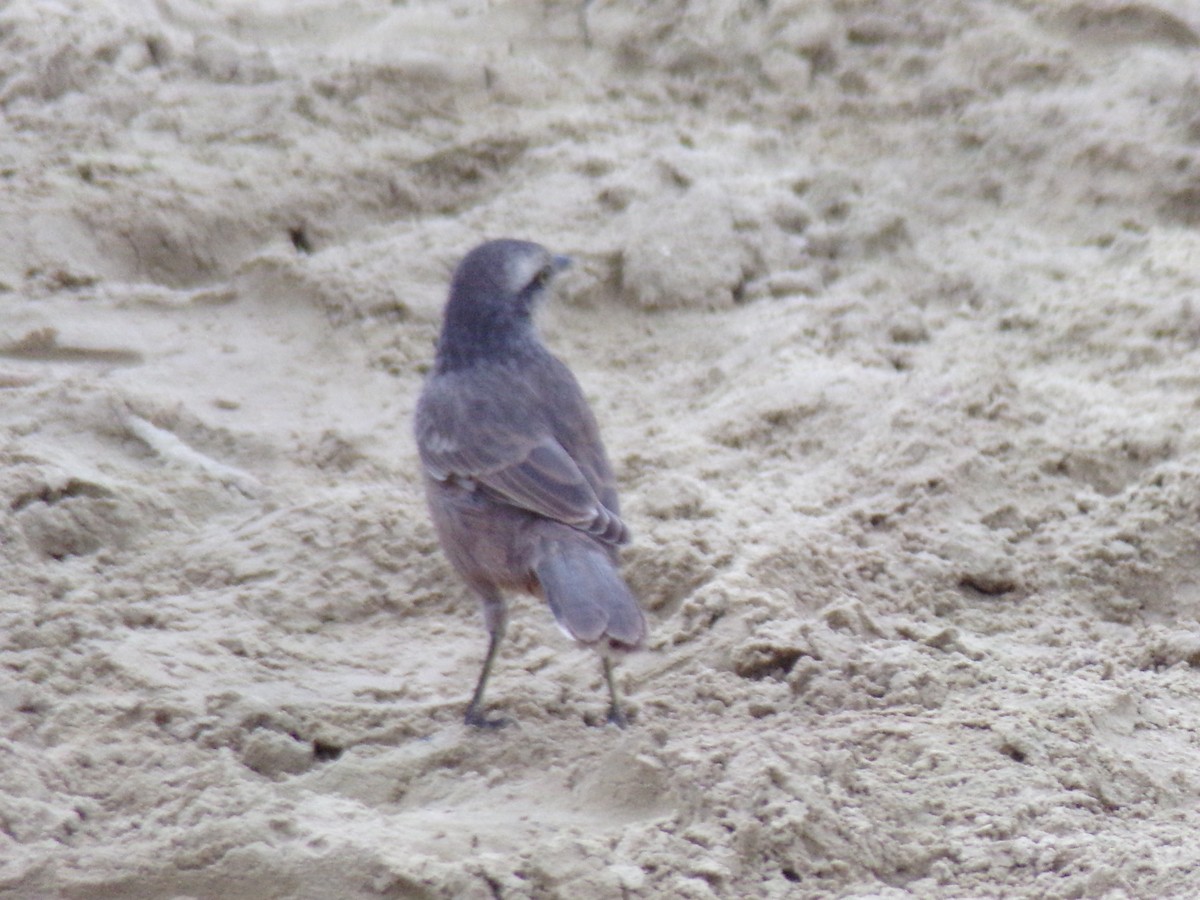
<point x="540" y="279"/>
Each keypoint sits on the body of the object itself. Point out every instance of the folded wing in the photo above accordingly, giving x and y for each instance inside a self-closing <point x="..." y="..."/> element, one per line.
<point x="530" y="471"/>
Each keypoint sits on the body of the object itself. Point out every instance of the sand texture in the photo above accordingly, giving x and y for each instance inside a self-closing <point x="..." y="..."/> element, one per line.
<point x="890" y="313"/>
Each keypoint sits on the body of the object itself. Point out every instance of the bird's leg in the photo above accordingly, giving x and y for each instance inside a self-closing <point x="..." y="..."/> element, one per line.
<point x="495" y="616"/>
<point x="583" y="21"/>
<point x="616" y="715"/>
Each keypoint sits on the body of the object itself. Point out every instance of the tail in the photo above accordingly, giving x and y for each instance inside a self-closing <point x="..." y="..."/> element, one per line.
<point x="589" y="600"/>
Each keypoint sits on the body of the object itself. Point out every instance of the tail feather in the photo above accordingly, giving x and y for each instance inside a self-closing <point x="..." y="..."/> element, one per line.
<point x="587" y="596"/>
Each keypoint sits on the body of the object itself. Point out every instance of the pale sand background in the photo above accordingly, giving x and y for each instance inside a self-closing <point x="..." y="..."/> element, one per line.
<point x="890" y="313"/>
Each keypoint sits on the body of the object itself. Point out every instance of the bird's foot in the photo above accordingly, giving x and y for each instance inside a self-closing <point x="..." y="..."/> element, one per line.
<point x="477" y="718"/>
<point x="616" y="716"/>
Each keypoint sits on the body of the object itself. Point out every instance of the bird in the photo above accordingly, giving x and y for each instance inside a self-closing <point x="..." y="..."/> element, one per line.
<point x="518" y="484"/>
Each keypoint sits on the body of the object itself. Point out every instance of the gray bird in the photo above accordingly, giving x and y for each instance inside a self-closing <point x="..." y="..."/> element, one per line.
<point x="519" y="486"/>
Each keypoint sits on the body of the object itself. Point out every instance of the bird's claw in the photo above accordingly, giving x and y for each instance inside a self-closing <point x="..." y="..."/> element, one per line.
<point x="616" y="716"/>
<point x="476" y="718"/>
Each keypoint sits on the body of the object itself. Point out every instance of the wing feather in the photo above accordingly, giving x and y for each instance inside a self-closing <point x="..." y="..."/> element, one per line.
<point x="517" y="460"/>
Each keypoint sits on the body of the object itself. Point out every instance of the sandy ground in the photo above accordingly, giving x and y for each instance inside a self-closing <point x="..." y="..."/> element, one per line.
<point x="891" y="316"/>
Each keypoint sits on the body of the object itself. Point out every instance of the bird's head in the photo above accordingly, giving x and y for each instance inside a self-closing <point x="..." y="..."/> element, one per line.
<point x="492" y="297"/>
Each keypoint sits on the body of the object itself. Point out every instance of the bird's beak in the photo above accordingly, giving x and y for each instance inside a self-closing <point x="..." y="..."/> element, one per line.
<point x="562" y="263"/>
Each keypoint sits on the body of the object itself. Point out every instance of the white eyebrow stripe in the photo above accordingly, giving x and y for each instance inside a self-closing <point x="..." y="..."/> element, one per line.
<point x="521" y="270"/>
